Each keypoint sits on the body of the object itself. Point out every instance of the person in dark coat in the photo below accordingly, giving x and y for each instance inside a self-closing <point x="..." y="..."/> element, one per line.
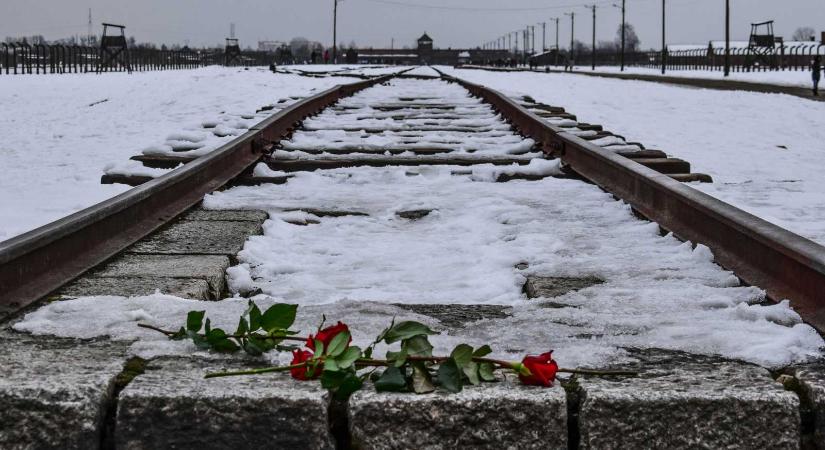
<point x="816" y="73"/>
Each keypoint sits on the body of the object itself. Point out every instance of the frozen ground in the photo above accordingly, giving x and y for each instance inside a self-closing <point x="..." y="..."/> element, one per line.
<point x="798" y="78"/>
<point x="61" y="133"/>
<point x="766" y="152"/>
<point x="658" y="291"/>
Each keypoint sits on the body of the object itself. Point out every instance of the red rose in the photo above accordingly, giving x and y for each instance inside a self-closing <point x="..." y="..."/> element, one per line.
<point x="327" y="334"/>
<point x="302" y="373"/>
<point x="542" y="370"/>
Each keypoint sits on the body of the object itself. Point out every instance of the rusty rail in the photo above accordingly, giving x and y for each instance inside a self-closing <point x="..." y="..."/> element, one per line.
<point x="40" y="261"/>
<point x="784" y="264"/>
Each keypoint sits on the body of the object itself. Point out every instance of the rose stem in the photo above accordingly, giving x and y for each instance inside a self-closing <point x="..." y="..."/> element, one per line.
<point x="255" y="371"/>
<point x="234" y="336"/>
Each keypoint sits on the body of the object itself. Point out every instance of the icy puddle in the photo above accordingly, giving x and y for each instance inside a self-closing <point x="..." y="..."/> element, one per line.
<point x="476" y="245"/>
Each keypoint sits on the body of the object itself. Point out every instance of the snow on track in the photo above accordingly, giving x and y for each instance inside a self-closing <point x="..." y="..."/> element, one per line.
<point x="765" y="152"/>
<point x="61" y="133"/>
<point x="476" y="245"/>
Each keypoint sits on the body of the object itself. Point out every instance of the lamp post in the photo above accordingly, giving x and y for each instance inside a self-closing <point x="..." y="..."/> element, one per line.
<point x="624" y="29"/>
<point x="543" y="37"/>
<point x="727" y="38"/>
<point x="572" y="34"/>
<point x="335" y="31"/>
<point x="556" y="19"/>
<point x="664" y="44"/>
<point x="593" y="53"/>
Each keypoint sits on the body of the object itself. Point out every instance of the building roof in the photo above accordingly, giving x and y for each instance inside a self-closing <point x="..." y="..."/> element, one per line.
<point x="425" y="37"/>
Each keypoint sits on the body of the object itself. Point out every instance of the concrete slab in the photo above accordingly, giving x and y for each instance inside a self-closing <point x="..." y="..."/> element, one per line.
<point x="193" y="288"/>
<point x="172" y="406"/>
<point x="687" y="401"/>
<point x="55" y="392"/>
<point x="203" y="237"/>
<point x="161" y="268"/>
<point x="490" y="416"/>
<point x="457" y="316"/>
<point x="811" y="379"/>
<point x="231" y="215"/>
<point x="549" y="287"/>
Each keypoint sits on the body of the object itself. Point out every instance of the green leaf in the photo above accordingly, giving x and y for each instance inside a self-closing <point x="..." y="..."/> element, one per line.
<point x="194" y="320"/>
<point x="368" y="353"/>
<point x="243" y="327"/>
<point x="406" y="330"/>
<point x="207" y="327"/>
<point x="341" y="383"/>
<point x="449" y="376"/>
<point x="180" y="334"/>
<point x="417" y="346"/>
<point x="485" y="371"/>
<point x="421" y="381"/>
<point x="219" y="342"/>
<point x="462" y="355"/>
<point x="198" y="340"/>
<point x="279" y="316"/>
<point x="254" y="316"/>
<point x="397" y="358"/>
<point x="348" y="357"/>
<point x="319" y="349"/>
<point x="251" y="346"/>
<point x="482" y="351"/>
<point x="392" y="380"/>
<point x="331" y="366"/>
<point x="471" y="371"/>
<point x="338" y="343"/>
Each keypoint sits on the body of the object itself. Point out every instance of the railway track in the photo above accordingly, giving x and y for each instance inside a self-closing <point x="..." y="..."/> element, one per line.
<point x="381" y="158"/>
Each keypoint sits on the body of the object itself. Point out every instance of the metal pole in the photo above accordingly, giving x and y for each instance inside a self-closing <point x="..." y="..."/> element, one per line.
<point x="543" y="37"/>
<point x="557" y="41"/>
<point x="727" y="38"/>
<point x="664" y="45"/>
<point x="334" y="31"/>
<point x="623" y="33"/>
<point x="593" y="56"/>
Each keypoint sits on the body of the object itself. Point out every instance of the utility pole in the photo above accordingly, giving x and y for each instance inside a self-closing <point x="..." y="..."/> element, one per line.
<point x="509" y="42"/>
<point x="572" y="34"/>
<point x="593" y="53"/>
<point x="623" y="32"/>
<point x="543" y="37"/>
<point x="557" y="39"/>
<point x="533" y="30"/>
<point x="727" y="38"/>
<point x="334" y="31"/>
<point x="89" y="34"/>
<point x="664" y="44"/>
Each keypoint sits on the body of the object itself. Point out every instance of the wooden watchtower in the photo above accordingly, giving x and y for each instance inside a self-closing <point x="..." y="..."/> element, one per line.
<point x="232" y="52"/>
<point x="114" y="50"/>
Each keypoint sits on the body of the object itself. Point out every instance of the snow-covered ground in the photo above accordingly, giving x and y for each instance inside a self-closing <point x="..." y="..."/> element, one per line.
<point x="796" y="78"/>
<point x="766" y="152"/>
<point x="61" y="132"/>
<point x="658" y="291"/>
<point x="476" y="245"/>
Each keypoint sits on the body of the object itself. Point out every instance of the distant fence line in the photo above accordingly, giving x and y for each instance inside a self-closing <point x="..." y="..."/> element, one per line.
<point x="24" y="58"/>
<point x="742" y="59"/>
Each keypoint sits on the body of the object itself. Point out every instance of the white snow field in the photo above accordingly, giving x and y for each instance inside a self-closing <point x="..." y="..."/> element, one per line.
<point x="795" y="78"/>
<point x="60" y="133"/>
<point x="477" y="245"/>
<point x="765" y="152"/>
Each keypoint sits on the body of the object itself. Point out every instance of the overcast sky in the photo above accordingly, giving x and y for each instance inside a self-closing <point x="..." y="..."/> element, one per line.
<point x="451" y="23"/>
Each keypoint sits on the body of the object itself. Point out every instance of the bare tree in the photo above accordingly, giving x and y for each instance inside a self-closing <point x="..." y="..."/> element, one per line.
<point x="804" y="34"/>
<point x="631" y="39"/>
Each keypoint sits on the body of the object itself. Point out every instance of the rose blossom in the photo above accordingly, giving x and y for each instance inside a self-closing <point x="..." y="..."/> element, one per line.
<point x="542" y="370"/>
<point x="327" y="334"/>
<point x="302" y="373"/>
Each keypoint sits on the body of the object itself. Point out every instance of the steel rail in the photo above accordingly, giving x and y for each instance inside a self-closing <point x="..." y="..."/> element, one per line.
<point x="784" y="264"/>
<point x="35" y="264"/>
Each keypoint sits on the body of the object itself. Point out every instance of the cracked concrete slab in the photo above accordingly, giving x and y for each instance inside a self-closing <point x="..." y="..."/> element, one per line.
<point x="201" y="237"/>
<point x="171" y="405"/>
<point x="458" y="316"/>
<point x="193" y="288"/>
<point x="549" y="287"/>
<point x="501" y="415"/>
<point x="55" y="392"/>
<point x="688" y="401"/>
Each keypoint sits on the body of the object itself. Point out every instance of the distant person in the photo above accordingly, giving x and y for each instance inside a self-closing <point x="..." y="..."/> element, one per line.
<point x="326" y="56"/>
<point x="816" y="73"/>
<point x="314" y="57"/>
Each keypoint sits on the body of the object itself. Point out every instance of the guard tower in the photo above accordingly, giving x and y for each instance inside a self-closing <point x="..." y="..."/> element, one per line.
<point x="425" y="49"/>
<point x="232" y="52"/>
<point x="113" y="49"/>
<point x="762" y="45"/>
